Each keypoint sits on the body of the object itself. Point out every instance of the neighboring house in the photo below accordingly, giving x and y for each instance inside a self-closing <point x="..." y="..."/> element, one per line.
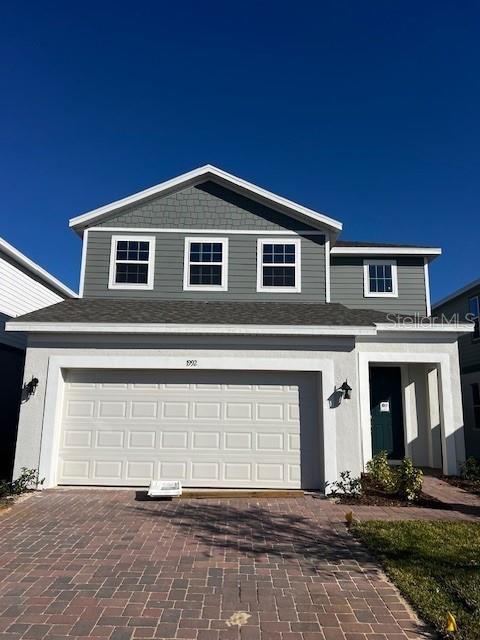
<point x="465" y="304"/>
<point x="218" y="331"/>
<point x="24" y="287"/>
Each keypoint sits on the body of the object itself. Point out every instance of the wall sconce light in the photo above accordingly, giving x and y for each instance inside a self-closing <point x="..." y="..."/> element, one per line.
<point x="31" y="387"/>
<point x="346" y="390"/>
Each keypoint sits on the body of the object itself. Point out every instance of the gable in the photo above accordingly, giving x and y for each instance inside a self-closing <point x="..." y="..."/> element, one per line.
<point x="205" y="206"/>
<point x="201" y="176"/>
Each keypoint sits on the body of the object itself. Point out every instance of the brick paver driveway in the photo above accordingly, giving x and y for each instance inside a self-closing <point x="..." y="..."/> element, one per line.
<point x="106" y="564"/>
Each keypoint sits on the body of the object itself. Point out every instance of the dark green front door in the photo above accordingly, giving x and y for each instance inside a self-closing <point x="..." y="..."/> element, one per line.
<point x="387" y="411"/>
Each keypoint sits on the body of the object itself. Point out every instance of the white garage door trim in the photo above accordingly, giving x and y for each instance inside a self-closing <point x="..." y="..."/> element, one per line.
<point x="180" y="360"/>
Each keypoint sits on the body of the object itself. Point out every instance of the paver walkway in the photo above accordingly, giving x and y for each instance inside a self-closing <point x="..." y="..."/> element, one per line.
<point x="105" y="564"/>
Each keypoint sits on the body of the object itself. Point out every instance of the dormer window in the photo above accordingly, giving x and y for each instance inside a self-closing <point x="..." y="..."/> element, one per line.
<point x="380" y="278"/>
<point x="278" y="266"/>
<point x="132" y="262"/>
<point x="205" y="264"/>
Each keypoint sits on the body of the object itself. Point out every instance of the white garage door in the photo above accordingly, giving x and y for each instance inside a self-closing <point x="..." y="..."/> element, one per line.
<point x="208" y="429"/>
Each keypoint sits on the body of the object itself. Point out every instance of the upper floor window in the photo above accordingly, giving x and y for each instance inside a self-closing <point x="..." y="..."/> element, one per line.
<point x="380" y="278"/>
<point x="278" y="266"/>
<point x="132" y="262"/>
<point x="474" y="308"/>
<point x="205" y="264"/>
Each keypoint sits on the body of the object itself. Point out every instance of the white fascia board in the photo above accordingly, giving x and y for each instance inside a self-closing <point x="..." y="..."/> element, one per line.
<point x="34" y="268"/>
<point x="457" y="293"/>
<point x="426" y="327"/>
<point x="387" y="251"/>
<point x="198" y="175"/>
<point x="240" y="329"/>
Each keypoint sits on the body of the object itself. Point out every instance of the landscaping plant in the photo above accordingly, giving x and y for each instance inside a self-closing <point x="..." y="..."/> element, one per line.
<point x="381" y="474"/>
<point x="28" y="480"/>
<point x="470" y="469"/>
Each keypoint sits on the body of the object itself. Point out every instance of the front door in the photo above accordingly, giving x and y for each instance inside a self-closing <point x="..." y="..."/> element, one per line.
<point x="387" y="411"/>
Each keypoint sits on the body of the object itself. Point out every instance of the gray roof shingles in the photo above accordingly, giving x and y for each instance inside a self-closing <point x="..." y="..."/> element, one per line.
<point x="106" y="310"/>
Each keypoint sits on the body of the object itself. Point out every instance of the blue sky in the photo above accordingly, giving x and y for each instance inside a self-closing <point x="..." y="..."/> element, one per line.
<point x="367" y="110"/>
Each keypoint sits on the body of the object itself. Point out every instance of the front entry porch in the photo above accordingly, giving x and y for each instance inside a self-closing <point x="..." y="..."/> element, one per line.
<point x="410" y="406"/>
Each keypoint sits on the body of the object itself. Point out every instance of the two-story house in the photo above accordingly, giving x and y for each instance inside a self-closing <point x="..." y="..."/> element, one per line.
<point x="226" y="337"/>
<point x="24" y="287"/>
<point x="463" y="305"/>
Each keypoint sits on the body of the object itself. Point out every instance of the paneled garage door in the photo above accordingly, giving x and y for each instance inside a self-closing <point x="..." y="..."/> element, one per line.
<point x="208" y="429"/>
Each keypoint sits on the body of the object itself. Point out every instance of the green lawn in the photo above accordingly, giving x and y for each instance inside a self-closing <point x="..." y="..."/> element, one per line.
<point x="436" y="565"/>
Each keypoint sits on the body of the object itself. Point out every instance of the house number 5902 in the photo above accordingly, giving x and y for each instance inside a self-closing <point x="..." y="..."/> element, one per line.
<point x="192" y="363"/>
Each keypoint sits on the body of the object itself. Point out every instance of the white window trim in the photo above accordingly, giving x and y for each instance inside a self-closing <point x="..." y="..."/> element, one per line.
<point x="366" y="279"/>
<point x="224" y="264"/>
<point x="113" y="263"/>
<point x="298" y="261"/>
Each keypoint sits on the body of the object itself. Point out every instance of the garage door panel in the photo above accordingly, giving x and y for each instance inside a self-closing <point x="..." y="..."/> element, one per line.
<point x="227" y="429"/>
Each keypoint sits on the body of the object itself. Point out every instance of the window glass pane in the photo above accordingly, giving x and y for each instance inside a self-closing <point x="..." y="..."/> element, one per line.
<point x="267" y="253"/>
<point x="278" y="276"/>
<point x="131" y="273"/>
<point x="201" y="274"/>
<point x="132" y="250"/>
<point x="380" y="278"/>
<point x="206" y="252"/>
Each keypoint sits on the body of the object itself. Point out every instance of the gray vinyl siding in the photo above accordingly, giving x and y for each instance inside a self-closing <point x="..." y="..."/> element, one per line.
<point x="204" y="206"/>
<point x="347" y="285"/>
<point x="469" y="349"/>
<point x="242" y="269"/>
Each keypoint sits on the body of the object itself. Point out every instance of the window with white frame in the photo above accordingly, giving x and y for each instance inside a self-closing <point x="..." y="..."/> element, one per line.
<point x="278" y="265"/>
<point x="476" y="404"/>
<point x="474" y="308"/>
<point x="132" y="262"/>
<point x="206" y="264"/>
<point x="380" y="278"/>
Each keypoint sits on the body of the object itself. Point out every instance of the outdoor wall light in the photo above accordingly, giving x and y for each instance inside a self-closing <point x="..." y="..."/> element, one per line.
<point x="31" y="387"/>
<point x="346" y="390"/>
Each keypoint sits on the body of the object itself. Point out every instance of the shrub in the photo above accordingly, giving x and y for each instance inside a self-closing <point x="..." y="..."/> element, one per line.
<point x="470" y="469"/>
<point x="409" y="480"/>
<point x="346" y="485"/>
<point x="381" y="474"/>
<point x="26" y="481"/>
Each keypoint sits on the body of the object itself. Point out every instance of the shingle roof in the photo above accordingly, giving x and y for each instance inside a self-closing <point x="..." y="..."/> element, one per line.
<point x="107" y="310"/>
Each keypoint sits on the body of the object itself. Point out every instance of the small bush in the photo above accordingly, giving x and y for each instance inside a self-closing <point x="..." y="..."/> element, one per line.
<point x="381" y="475"/>
<point x="409" y="480"/>
<point x="26" y="481"/>
<point x="470" y="469"/>
<point x="346" y="485"/>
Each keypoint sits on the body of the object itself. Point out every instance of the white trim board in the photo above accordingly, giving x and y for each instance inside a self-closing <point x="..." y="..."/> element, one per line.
<point x="233" y="329"/>
<point x="54" y="393"/>
<point x="28" y="264"/>
<point x="197" y="176"/>
<point x="194" y="329"/>
<point x="387" y="251"/>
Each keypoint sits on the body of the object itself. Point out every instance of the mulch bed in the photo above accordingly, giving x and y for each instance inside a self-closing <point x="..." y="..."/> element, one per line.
<point x="473" y="486"/>
<point x="377" y="499"/>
